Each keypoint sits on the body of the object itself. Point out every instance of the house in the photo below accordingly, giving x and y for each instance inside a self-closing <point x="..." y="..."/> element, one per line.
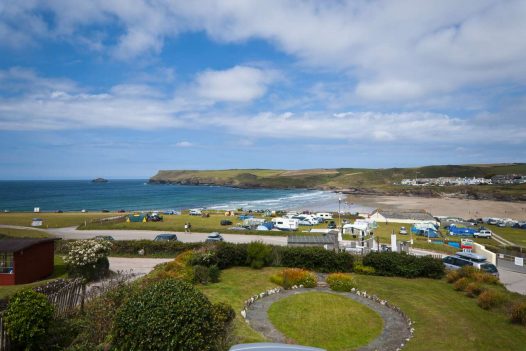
<point x="24" y="261"/>
<point x="136" y="218"/>
<point x="410" y="217"/>
<point x="328" y="241"/>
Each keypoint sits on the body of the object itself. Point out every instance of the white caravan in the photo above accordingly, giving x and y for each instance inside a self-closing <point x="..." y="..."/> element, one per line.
<point x="324" y="215"/>
<point x="285" y="223"/>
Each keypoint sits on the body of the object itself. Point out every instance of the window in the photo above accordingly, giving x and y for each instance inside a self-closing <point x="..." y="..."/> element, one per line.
<point x="6" y="263"/>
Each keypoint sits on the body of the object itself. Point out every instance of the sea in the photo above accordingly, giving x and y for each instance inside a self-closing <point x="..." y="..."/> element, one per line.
<point x="77" y="195"/>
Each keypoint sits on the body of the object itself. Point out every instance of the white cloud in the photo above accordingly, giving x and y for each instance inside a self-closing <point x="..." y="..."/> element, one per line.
<point x="184" y="144"/>
<point x="237" y="84"/>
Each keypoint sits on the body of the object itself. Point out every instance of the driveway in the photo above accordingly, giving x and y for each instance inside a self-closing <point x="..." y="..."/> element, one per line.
<point x="123" y="234"/>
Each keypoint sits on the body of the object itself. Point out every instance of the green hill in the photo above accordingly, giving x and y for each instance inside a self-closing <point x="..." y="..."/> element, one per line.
<point x="359" y="180"/>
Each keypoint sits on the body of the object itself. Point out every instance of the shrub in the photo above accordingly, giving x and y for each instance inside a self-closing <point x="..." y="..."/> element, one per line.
<point x="178" y="268"/>
<point x="453" y="276"/>
<point x="316" y="259"/>
<point x="404" y="265"/>
<point x="230" y="255"/>
<point x="27" y="319"/>
<point x="517" y="312"/>
<point x="203" y="257"/>
<point x="341" y="282"/>
<point x="214" y="273"/>
<point x="474" y="289"/>
<point x="201" y="274"/>
<point x="295" y="276"/>
<point x="132" y="247"/>
<point x="461" y="284"/>
<point x="224" y="316"/>
<point x="167" y="315"/>
<point x="88" y="258"/>
<point x="258" y="255"/>
<point x="361" y="269"/>
<point x="491" y="298"/>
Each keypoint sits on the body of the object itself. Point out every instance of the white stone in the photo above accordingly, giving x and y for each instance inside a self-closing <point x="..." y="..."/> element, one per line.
<point x="244" y="314"/>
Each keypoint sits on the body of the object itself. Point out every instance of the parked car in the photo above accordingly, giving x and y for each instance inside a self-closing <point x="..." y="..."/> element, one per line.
<point x="403" y="231"/>
<point x="331" y="225"/>
<point x="104" y="237"/>
<point x="226" y="222"/>
<point x="461" y="259"/>
<point x="484" y="233"/>
<point x="195" y="212"/>
<point x="105" y="211"/>
<point x="165" y="237"/>
<point x="214" y="237"/>
<point x="154" y="218"/>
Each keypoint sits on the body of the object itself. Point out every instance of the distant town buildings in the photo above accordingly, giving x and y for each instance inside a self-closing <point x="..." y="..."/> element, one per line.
<point x="508" y="179"/>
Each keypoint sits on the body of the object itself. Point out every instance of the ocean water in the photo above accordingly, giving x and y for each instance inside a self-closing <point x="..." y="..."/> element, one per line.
<point x="75" y="195"/>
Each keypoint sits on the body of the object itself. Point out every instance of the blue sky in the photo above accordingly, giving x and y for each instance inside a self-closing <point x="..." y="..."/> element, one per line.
<point x="121" y="89"/>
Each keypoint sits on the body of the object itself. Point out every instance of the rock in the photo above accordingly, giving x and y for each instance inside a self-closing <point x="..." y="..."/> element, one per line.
<point x="244" y="314"/>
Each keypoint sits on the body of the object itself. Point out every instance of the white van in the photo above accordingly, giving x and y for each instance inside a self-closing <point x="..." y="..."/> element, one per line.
<point x="195" y="212"/>
<point x="285" y="223"/>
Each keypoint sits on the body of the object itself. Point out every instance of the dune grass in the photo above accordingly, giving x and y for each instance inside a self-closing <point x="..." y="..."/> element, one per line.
<point x="325" y="320"/>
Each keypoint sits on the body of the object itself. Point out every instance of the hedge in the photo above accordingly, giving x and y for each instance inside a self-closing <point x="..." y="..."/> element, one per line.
<point x="170" y="315"/>
<point x="403" y="265"/>
<point x="132" y="247"/>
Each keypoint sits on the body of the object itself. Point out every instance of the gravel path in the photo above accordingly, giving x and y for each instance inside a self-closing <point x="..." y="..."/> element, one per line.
<point x="394" y="334"/>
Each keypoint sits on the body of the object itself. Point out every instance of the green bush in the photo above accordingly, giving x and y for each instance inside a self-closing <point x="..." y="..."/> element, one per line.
<point x="231" y="255"/>
<point x="517" y="312"/>
<point x="201" y="274"/>
<point x="361" y="269"/>
<point x="223" y="316"/>
<point x="94" y="272"/>
<point x="27" y="319"/>
<point x="341" y="282"/>
<point x="404" y="265"/>
<point x="491" y="298"/>
<point x="167" y="315"/>
<point x="289" y="277"/>
<point x="316" y="259"/>
<point x="258" y="255"/>
<point x="214" y="273"/>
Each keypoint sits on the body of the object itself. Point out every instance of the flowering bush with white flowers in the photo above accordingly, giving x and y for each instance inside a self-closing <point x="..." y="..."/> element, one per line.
<point x="88" y="258"/>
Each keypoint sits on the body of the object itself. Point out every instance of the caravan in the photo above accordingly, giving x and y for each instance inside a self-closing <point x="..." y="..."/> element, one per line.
<point x="285" y="223"/>
<point x="324" y="215"/>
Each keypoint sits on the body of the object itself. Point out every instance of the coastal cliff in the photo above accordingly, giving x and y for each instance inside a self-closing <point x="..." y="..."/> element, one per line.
<point x="358" y="181"/>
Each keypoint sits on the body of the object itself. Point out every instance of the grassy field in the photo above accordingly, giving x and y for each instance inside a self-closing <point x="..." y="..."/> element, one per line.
<point x="444" y="319"/>
<point x="516" y="236"/>
<point x="237" y="285"/>
<point x="58" y="272"/>
<point x="199" y="225"/>
<point x="52" y="220"/>
<point x="324" y="320"/>
<point x="23" y="233"/>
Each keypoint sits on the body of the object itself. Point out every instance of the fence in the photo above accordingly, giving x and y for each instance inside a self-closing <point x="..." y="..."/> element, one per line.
<point x="512" y="261"/>
<point x="5" y="344"/>
<point x="114" y="219"/>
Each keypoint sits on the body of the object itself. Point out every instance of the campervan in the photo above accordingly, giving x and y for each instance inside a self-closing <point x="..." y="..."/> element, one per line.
<point x="324" y="215"/>
<point x="282" y="223"/>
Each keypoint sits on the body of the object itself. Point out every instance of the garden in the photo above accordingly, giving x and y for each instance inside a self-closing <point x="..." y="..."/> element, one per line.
<point x="203" y="299"/>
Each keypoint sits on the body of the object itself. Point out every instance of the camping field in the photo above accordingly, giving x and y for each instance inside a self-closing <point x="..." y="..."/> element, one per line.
<point x="52" y="220"/>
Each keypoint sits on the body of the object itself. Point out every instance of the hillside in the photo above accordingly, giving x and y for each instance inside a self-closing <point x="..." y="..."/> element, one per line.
<point x="359" y="180"/>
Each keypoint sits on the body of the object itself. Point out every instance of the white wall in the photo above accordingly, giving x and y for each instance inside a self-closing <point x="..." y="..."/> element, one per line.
<point x="481" y="250"/>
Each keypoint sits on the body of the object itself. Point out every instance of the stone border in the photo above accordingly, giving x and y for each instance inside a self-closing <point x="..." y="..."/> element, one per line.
<point x="398" y="327"/>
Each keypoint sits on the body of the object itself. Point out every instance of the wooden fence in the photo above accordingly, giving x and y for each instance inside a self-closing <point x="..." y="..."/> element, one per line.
<point x="5" y="344"/>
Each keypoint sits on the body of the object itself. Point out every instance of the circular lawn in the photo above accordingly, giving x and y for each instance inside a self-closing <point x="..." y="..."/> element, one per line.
<point x="325" y="320"/>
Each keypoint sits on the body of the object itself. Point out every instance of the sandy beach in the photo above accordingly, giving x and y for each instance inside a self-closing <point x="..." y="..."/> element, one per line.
<point x="446" y="206"/>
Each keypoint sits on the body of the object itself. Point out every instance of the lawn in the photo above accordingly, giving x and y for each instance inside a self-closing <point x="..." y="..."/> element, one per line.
<point x="445" y="319"/>
<point x="52" y="220"/>
<point x="23" y="233"/>
<point x="326" y="320"/>
<point x="515" y="235"/>
<point x="58" y="272"/>
<point x="237" y="285"/>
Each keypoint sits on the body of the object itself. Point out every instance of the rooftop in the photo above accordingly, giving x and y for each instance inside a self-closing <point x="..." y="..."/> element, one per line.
<point x="414" y="215"/>
<point x="15" y="245"/>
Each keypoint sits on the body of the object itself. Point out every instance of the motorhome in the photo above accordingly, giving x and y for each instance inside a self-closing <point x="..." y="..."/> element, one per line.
<point x="324" y="215"/>
<point x="282" y="223"/>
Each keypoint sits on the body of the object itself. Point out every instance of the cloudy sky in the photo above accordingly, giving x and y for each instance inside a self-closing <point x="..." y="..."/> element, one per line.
<point x="122" y="88"/>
